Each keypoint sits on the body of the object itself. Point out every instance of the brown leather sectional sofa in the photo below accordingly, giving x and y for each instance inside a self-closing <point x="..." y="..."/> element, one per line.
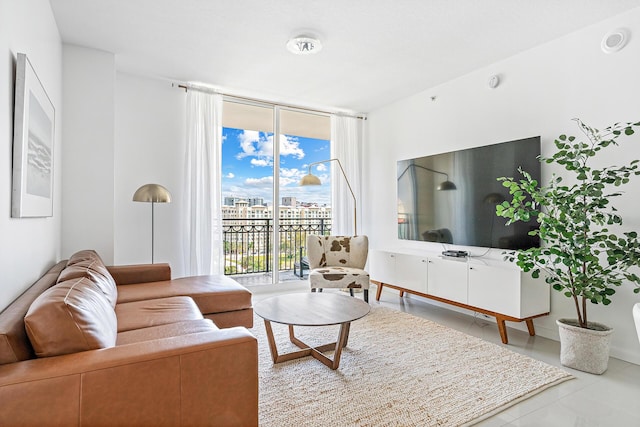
<point x="89" y="345"/>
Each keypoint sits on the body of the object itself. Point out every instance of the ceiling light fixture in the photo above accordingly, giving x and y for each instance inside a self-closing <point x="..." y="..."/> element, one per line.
<point x="304" y="45"/>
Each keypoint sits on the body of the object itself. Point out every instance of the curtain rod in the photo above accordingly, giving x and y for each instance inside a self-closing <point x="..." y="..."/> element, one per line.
<point x="262" y="101"/>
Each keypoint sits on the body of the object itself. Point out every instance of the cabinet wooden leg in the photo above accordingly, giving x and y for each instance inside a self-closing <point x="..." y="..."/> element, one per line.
<point x="530" y="327"/>
<point x="503" y="330"/>
<point x="379" y="291"/>
<point x="401" y="294"/>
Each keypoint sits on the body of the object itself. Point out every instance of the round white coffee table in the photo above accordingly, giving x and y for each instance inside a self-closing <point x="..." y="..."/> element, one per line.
<point x="311" y="309"/>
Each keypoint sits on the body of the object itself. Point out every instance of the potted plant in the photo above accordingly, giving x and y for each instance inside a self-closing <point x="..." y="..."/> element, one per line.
<point x="584" y="252"/>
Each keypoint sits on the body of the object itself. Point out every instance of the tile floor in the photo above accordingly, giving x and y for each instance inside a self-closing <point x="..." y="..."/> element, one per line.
<point x="608" y="400"/>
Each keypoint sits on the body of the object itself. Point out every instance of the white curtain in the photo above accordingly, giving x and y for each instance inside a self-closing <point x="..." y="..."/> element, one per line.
<point x="203" y="250"/>
<point x="346" y="146"/>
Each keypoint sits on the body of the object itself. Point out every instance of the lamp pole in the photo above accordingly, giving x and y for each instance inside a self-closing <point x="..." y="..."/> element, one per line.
<point x="152" y="193"/>
<point x="315" y="181"/>
<point x="152" y="230"/>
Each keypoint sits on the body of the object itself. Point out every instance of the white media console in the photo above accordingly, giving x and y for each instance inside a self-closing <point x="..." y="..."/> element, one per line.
<point x="487" y="286"/>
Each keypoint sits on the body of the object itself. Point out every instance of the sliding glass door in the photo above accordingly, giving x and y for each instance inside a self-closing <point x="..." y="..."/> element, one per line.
<point x="266" y="214"/>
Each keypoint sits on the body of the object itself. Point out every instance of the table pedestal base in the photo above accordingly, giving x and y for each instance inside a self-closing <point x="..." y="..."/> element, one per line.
<point x="307" y="350"/>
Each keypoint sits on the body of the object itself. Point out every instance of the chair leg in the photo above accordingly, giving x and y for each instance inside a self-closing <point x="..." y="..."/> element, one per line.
<point x="319" y="289"/>
<point x="366" y="295"/>
<point x="351" y="291"/>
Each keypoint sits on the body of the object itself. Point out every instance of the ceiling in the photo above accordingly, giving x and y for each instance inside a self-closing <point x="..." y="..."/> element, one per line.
<point x="374" y="51"/>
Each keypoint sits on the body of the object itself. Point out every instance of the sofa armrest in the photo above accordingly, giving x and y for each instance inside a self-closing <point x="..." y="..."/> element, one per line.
<point x="207" y="378"/>
<point x="139" y="273"/>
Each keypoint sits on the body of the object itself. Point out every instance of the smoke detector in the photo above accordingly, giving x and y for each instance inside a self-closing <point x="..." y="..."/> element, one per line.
<point x="614" y="40"/>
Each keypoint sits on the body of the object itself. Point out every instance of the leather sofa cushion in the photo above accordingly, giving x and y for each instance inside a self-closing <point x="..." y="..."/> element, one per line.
<point x="14" y="343"/>
<point x="84" y="255"/>
<point x="69" y="317"/>
<point x="94" y="270"/>
<point x="212" y="294"/>
<point x="154" y="312"/>
<point x="165" y="331"/>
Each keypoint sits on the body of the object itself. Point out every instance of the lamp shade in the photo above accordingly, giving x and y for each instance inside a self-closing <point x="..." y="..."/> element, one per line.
<point x="310" y="179"/>
<point x="446" y="186"/>
<point x="155" y="193"/>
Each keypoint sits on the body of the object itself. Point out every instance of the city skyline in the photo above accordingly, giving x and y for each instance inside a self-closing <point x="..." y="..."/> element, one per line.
<point x="247" y="166"/>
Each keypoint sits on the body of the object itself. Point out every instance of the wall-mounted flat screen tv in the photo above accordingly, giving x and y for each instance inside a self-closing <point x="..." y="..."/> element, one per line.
<point x="451" y="197"/>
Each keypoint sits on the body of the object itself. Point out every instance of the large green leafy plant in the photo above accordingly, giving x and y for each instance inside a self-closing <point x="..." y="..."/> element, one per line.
<point x="584" y="253"/>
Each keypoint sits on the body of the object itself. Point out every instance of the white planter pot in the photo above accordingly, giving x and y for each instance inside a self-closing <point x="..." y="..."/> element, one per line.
<point x="584" y="349"/>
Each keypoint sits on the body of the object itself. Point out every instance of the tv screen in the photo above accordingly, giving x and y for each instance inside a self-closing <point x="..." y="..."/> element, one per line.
<point x="451" y="197"/>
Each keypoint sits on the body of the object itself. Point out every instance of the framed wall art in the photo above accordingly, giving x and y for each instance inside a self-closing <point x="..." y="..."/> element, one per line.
<point x="33" y="139"/>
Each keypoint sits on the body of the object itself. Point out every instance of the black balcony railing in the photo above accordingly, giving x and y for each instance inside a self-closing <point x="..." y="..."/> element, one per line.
<point x="248" y="243"/>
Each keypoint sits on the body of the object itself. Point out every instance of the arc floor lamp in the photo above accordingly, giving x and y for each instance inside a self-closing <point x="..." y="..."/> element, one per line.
<point x="445" y="185"/>
<point x="311" y="179"/>
<point x="152" y="193"/>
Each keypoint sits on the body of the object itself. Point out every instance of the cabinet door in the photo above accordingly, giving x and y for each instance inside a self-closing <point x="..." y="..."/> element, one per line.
<point x="411" y="272"/>
<point x="382" y="267"/>
<point x="495" y="289"/>
<point x="447" y="279"/>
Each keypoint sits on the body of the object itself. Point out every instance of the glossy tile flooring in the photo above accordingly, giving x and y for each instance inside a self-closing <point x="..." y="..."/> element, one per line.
<point x="608" y="400"/>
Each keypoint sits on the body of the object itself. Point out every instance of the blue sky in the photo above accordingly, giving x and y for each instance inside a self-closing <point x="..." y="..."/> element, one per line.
<point x="247" y="166"/>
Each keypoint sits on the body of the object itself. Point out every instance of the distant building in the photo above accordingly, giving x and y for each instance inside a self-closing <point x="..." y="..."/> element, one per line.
<point x="252" y="201"/>
<point x="289" y="201"/>
<point x="241" y="209"/>
<point x="256" y="201"/>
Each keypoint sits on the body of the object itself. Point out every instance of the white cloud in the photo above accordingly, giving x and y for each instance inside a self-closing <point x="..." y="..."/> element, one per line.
<point x="260" y="162"/>
<point x="290" y="146"/>
<point x="230" y="175"/>
<point x="289" y="173"/>
<point x="247" y="140"/>
<point x="285" y="181"/>
<point x="257" y="182"/>
<point x="321" y="167"/>
<point x="252" y="144"/>
<point x="325" y="179"/>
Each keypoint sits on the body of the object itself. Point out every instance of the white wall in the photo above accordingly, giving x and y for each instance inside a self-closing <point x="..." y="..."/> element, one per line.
<point x="28" y="247"/>
<point x="88" y="132"/>
<point x="149" y="148"/>
<point x="541" y="91"/>
<point x="121" y="131"/>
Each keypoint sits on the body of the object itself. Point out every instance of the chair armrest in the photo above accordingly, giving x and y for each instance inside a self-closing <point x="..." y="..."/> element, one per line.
<point x="195" y="379"/>
<point x="139" y="273"/>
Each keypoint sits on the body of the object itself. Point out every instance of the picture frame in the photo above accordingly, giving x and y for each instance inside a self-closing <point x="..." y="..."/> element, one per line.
<point x="33" y="145"/>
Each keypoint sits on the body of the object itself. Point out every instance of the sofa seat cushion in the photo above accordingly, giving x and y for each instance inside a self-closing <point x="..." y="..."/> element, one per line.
<point x="212" y="294"/>
<point x="339" y="277"/>
<point x="165" y="331"/>
<point x="153" y="312"/>
<point x="70" y="317"/>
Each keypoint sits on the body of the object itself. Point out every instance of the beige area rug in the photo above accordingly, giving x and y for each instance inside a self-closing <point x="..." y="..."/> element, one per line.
<point x="397" y="370"/>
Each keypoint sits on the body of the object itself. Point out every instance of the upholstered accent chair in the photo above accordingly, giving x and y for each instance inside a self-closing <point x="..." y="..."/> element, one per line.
<point x="338" y="262"/>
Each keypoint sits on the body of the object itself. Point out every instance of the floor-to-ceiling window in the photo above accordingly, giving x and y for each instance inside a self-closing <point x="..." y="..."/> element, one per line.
<point x="266" y="214"/>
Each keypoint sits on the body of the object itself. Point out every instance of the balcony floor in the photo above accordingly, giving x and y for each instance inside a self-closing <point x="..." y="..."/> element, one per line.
<point x="257" y="279"/>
